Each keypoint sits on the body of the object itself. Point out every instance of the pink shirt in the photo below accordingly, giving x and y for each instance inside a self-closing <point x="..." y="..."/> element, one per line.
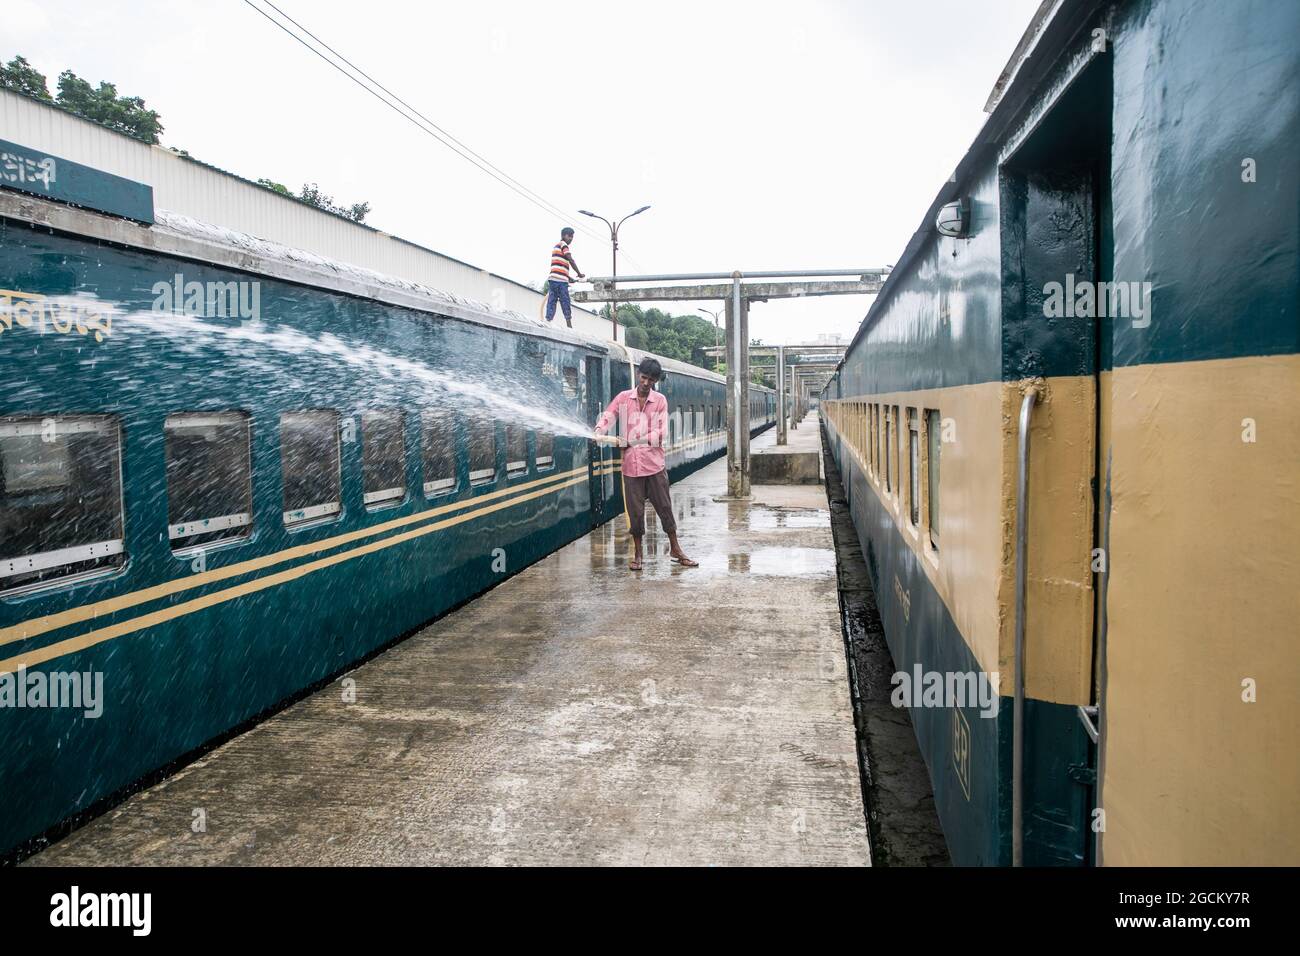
<point x="644" y="431"/>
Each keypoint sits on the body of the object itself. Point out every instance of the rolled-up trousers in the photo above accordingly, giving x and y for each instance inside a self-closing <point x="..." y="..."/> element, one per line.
<point x="655" y="488"/>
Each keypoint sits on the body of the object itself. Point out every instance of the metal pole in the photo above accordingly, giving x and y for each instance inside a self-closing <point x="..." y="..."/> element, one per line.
<point x="1018" y="715"/>
<point x="780" y="395"/>
<point x="736" y="418"/>
<point x="613" y="291"/>
<point x="743" y="340"/>
<point x="792" y="274"/>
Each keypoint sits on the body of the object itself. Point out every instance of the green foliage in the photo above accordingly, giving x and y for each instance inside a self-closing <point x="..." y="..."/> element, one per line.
<point x="125" y="114"/>
<point x="680" y="337"/>
<point x="281" y="188"/>
<point x="311" y="193"/>
<point x="22" y="77"/>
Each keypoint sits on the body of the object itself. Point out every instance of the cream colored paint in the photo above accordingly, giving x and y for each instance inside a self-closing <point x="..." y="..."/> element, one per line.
<point x="973" y="570"/>
<point x="1204" y="593"/>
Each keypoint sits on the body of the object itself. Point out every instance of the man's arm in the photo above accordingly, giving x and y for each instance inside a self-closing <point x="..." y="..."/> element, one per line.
<point x="573" y="262"/>
<point x="607" y="417"/>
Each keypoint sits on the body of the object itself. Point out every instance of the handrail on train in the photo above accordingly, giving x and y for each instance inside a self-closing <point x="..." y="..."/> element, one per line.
<point x="1018" y="714"/>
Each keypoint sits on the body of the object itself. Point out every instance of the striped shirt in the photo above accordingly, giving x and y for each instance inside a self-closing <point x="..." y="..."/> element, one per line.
<point x="559" y="264"/>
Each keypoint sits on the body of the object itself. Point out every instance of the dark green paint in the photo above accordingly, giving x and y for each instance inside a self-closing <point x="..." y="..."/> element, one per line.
<point x="75" y="184"/>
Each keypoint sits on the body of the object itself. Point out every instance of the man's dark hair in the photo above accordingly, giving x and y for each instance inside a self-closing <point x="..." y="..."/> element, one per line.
<point x="651" y="367"/>
<point x="566" y="231"/>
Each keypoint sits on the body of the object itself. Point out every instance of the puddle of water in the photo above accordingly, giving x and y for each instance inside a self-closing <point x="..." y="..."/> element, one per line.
<point x="793" y="562"/>
<point x="770" y="520"/>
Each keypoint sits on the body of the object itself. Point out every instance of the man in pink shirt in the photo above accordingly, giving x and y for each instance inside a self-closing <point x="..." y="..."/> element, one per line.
<point x="643" y="414"/>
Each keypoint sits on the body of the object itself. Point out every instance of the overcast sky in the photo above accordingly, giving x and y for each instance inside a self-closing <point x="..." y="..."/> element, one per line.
<point x="765" y="135"/>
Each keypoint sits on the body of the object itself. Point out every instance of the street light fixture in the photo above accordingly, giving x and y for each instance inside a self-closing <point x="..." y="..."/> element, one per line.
<point x="613" y="239"/>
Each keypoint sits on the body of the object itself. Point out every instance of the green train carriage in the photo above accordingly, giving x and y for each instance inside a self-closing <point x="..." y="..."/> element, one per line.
<point x="216" y="514"/>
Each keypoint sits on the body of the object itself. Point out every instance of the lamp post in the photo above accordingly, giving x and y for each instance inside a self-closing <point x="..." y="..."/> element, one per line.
<point x="613" y="239"/>
<point x="717" y="341"/>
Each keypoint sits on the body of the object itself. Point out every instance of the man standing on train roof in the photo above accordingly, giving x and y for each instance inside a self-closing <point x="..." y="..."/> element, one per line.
<point x="558" y="281"/>
<point x="643" y="414"/>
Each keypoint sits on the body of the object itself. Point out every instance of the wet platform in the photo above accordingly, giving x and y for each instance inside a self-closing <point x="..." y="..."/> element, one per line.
<point x="576" y="714"/>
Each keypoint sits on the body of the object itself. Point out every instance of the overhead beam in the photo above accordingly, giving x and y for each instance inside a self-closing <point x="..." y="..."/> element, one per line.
<point x="751" y="291"/>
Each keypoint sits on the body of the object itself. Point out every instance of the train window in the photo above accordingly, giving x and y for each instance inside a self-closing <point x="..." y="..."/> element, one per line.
<point x="896" y="462"/>
<point x="309" y="462"/>
<point x="545" y="450"/>
<point x="60" y="499"/>
<point x="516" y="449"/>
<point x="672" y="431"/>
<point x="913" y="467"/>
<point x="882" y="417"/>
<point x="933" y="431"/>
<point x="438" y="451"/>
<point x="569" y="382"/>
<point x="889" y="454"/>
<point x="690" y="421"/>
<point x="209" y="478"/>
<point x="875" y="436"/>
<point x="871" y="438"/>
<point x="383" y="457"/>
<point x="482" y="449"/>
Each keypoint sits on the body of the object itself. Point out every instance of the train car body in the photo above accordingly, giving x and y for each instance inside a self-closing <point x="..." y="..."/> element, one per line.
<point x="210" y="513"/>
<point x="1120" y="249"/>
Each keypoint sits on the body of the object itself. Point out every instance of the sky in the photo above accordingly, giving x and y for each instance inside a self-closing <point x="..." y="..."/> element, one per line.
<point x="763" y="135"/>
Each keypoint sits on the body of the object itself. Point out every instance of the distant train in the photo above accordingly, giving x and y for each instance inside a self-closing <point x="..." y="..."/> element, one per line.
<point x="1110" y="275"/>
<point x="209" y="517"/>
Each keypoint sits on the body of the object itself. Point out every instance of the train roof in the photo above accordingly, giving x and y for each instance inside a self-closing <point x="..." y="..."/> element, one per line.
<point x="189" y="238"/>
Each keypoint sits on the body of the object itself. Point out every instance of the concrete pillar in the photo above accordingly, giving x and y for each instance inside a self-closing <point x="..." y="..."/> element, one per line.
<point x="744" y="397"/>
<point x="737" y="398"/>
<point x="780" y="395"/>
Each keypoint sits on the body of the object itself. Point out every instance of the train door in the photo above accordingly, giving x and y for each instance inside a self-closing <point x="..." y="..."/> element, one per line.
<point x="1056" y="212"/>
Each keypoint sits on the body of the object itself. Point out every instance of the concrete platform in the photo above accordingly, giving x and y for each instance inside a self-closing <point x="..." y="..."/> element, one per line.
<point x="798" y="462"/>
<point x="576" y="714"/>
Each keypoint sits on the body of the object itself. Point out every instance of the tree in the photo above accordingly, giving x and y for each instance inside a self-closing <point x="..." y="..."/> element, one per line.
<point x="125" y="114"/>
<point x="311" y="193"/>
<point x="281" y="188"/>
<point x="678" y="337"/>
<point x="22" y="77"/>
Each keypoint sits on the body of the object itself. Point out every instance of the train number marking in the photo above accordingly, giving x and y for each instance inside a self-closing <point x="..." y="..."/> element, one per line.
<point x="904" y="599"/>
<point x="961" y="749"/>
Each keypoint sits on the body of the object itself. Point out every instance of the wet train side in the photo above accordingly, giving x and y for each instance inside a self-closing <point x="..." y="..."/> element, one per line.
<point x="1161" y="539"/>
<point x="201" y="519"/>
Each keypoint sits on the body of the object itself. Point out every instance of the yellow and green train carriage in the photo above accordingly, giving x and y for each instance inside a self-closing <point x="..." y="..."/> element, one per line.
<point x="1111" y="277"/>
